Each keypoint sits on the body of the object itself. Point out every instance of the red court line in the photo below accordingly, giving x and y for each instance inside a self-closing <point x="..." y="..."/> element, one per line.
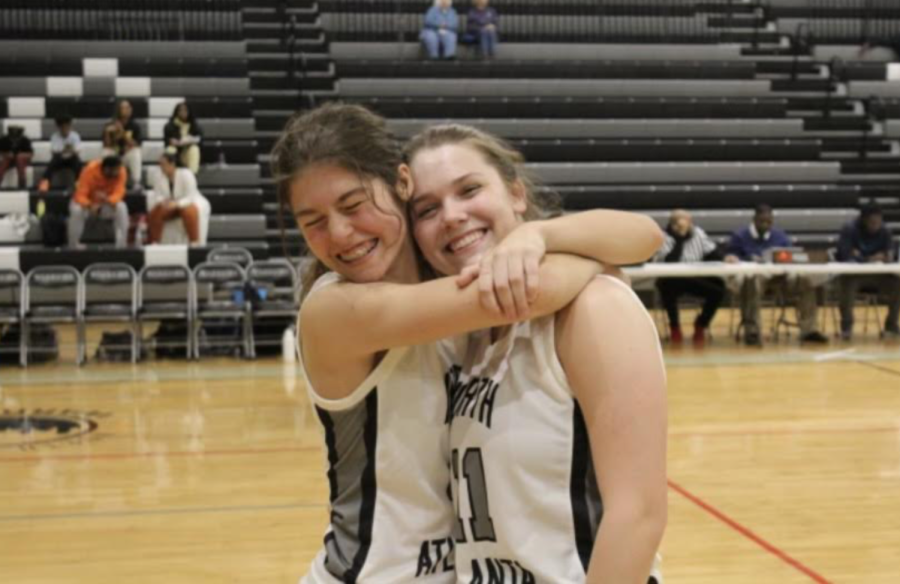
<point x="289" y="449"/>
<point x="778" y="553"/>
<point x="172" y="454"/>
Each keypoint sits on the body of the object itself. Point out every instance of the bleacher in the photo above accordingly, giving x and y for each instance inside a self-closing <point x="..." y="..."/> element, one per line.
<point x="711" y="105"/>
<point x="730" y="109"/>
<point x="85" y="79"/>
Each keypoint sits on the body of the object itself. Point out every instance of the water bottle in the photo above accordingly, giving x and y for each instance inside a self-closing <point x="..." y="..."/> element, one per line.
<point x="140" y="234"/>
<point x="289" y="345"/>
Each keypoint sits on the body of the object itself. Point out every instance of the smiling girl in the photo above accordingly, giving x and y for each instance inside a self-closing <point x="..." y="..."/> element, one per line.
<point x="561" y="477"/>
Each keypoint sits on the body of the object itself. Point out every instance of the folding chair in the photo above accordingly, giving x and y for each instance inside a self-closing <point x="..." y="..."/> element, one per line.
<point x="12" y="306"/>
<point x="52" y="296"/>
<point x="165" y="292"/>
<point x="110" y="295"/>
<point x="274" y="283"/>
<point x="234" y="255"/>
<point x="220" y="297"/>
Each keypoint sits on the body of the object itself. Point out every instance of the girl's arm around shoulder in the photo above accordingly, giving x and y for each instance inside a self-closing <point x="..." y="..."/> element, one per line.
<point x="355" y="320"/>
<point x="612" y="237"/>
<point x="610" y="352"/>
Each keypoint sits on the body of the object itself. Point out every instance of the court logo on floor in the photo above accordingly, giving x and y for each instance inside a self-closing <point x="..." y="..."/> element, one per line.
<point x="24" y="429"/>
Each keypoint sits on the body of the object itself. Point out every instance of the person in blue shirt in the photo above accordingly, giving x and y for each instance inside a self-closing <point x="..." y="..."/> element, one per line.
<point x="481" y="28"/>
<point x="867" y="240"/>
<point x="439" y="34"/>
<point x="749" y="244"/>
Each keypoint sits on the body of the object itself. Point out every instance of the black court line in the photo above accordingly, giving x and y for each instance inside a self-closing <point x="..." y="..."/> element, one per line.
<point x="881" y="368"/>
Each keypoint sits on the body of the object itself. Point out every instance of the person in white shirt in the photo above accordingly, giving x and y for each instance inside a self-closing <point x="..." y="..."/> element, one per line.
<point x="685" y="242"/>
<point x="65" y="147"/>
<point x="176" y="197"/>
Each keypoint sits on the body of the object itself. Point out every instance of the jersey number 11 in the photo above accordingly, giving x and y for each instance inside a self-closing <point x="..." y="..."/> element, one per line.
<point x="473" y="471"/>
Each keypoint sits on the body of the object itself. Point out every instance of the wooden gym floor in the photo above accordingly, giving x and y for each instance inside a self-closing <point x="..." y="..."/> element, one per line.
<point x="784" y="467"/>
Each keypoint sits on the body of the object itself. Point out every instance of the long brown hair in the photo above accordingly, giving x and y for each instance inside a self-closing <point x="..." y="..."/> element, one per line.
<point x="506" y="160"/>
<point x="349" y="136"/>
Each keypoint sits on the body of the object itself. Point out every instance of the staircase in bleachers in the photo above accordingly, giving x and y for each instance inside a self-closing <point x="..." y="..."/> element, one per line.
<point x="289" y="66"/>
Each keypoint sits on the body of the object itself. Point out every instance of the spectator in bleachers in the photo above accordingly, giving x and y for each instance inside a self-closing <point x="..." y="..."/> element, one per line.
<point x="176" y="198"/>
<point x="749" y="245"/>
<point x="481" y="28"/>
<point x="184" y="133"/>
<point x="65" y="145"/>
<point x="15" y="150"/>
<point x="439" y="34"/>
<point x="122" y="137"/>
<point x="100" y="191"/>
<point x="685" y="242"/>
<point x="868" y="240"/>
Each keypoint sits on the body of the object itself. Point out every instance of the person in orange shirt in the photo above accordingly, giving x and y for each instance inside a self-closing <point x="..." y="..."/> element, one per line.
<point x="100" y="191"/>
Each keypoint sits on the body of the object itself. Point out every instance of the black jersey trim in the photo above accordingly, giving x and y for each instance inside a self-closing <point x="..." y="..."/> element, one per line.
<point x="581" y="465"/>
<point x="369" y="488"/>
<point x="331" y="446"/>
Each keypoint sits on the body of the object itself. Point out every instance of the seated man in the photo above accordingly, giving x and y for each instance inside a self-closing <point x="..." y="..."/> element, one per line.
<point x="100" y="191"/>
<point x="176" y="198"/>
<point x="687" y="243"/>
<point x="749" y="245"/>
<point x="64" y="147"/>
<point x="439" y="34"/>
<point x="15" y="150"/>
<point x="868" y="240"/>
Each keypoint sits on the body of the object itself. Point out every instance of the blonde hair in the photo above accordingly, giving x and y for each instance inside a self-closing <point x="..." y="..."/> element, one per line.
<point x="506" y="160"/>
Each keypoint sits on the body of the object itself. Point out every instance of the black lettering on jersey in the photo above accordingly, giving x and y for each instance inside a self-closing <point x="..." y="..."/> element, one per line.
<point x="494" y="571"/>
<point x="469" y="397"/>
<point x="450" y="558"/>
<point x="435" y="555"/>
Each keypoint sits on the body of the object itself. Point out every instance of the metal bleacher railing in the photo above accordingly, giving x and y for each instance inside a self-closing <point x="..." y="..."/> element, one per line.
<point x="864" y="22"/>
<point x="624" y="21"/>
<point x="121" y="20"/>
<point x="537" y="20"/>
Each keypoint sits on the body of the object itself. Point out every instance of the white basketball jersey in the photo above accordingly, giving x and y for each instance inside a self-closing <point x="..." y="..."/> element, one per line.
<point x="527" y="500"/>
<point x="388" y="474"/>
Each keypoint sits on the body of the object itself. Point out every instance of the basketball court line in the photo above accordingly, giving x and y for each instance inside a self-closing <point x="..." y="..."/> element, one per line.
<point x="784" y="356"/>
<point x="174" y="454"/>
<point x="196" y="372"/>
<point x="877" y="367"/>
<point x="775" y="431"/>
<point x="150" y="512"/>
<point x="712" y="432"/>
<point x="191" y="372"/>
<point x="745" y="532"/>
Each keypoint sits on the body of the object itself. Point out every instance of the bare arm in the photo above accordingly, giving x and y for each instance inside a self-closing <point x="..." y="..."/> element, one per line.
<point x="384" y="315"/>
<point x="610" y="352"/>
<point x="509" y="272"/>
<point x="612" y="237"/>
<point x="346" y="323"/>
